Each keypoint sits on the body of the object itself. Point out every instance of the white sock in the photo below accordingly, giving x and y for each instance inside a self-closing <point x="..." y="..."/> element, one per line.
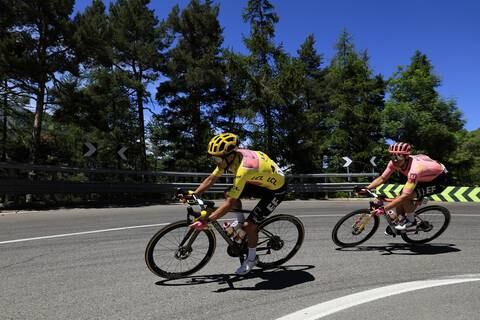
<point x="252" y="253"/>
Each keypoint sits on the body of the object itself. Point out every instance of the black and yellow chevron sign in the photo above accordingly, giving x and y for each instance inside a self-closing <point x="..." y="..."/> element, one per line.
<point x="450" y="194"/>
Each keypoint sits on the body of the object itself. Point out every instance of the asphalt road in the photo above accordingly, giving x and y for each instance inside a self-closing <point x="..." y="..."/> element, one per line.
<point x="89" y="264"/>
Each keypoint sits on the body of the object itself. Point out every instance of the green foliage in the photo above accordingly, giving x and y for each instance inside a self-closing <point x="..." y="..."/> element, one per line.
<point x="103" y="110"/>
<point x="39" y="35"/>
<point x="91" y="77"/>
<point x="355" y="98"/>
<point x="15" y="121"/>
<point x="301" y="106"/>
<point x="416" y="113"/>
<point x="194" y="83"/>
<point x="137" y="43"/>
<point x="464" y="163"/>
<point x="93" y="36"/>
<point x="262" y="68"/>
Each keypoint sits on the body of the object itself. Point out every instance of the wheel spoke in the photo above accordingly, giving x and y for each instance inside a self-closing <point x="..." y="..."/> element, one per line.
<point x="354" y="228"/>
<point x="279" y="238"/>
<point x="431" y="222"/>
<point x="167" y="258"/>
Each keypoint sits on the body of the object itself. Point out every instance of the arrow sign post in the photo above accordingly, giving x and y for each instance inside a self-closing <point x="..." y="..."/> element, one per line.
<point x="121" y="152"/>
<point x="348" y="162"/>
<point x="372" y="161"/>
<point x="89" y="149"/>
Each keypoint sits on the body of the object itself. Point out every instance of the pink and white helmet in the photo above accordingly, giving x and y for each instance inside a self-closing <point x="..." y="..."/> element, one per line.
<point x="400" y="148"/>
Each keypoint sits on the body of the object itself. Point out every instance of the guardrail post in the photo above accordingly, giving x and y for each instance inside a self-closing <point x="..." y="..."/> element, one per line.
<point x="326" y="191"/>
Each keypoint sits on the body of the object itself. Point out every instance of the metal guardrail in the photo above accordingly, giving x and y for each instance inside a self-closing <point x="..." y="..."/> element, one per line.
<point x="299" y="183"/>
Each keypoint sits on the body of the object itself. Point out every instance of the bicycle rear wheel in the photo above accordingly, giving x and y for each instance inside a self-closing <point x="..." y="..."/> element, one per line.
<point x="279" y="239"/>
<point x="355" y="228"/>
<point x="177" y="251"/>
<point x="432" y="221"/>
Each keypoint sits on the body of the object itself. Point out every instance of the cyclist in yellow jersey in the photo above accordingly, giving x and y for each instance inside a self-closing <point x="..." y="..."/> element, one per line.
<point x="255" y="174"/>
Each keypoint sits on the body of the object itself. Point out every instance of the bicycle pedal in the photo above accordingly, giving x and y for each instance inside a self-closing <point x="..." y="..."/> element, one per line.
<point x="389" y="233"/>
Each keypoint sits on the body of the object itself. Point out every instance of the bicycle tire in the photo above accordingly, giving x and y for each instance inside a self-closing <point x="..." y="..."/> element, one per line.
<point x="446" y="213"/>
<point x="336" y="228"/>
<point x="274" y="235"/>
<point x="173" y="234"/>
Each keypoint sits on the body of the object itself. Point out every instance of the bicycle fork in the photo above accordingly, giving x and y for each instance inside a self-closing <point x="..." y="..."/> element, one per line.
<point x="361" y="223"/>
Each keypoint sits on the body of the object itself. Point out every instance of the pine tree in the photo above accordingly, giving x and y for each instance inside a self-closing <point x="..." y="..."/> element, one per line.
<point x="137" y="44"/>
<point x="262" y="70"/>
<point x="194" y="84"/>
<point x="356" y="101"/>
<point x="301" y="108"/>
<point x="233" y="114"/>
<point x="313" y="95"/>
<point x="416" y="113"/>
<point x="93" y="37"/>
<point x="38" y="34"/>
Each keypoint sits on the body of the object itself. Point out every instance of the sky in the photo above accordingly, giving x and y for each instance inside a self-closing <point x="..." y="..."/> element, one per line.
<point x="447" y="31"/>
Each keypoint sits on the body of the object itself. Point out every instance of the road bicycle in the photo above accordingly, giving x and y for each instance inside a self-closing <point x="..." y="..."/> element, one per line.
<point x="360" y="225"/>
<point x="177" y="250"/>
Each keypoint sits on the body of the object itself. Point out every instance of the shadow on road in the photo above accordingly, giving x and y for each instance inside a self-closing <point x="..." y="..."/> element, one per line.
<point x="272" y="279"/>
<point x="406" y="249"/>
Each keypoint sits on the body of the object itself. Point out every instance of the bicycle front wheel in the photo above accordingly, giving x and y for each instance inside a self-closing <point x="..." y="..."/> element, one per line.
<point x="355" y="228"/>
<point x="279" y="239"/>
<point x="432" y="221"/>
<point x="177" y="251"/>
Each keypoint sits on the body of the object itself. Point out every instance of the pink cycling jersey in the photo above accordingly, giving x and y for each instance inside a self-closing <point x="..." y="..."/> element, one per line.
<point x="421" y="168"/>
<point x="253" y="167"/>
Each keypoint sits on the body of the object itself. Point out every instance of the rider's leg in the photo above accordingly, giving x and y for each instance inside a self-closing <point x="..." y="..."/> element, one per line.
<point x="407" y="210"/>
<point x="408" y="207"/>
<point x="237" y="203"/>
<point x="250" y="228"/>
<point x="265" y="206"/>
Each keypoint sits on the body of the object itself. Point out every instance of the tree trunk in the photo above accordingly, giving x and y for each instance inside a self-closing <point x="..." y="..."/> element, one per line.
<point x="141" y="133"/>
<point x="5" y="108"/>
<point x="267" y="117"/>
<point x="37" y="123"/>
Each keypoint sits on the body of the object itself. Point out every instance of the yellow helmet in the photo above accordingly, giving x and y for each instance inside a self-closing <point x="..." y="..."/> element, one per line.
<point x="223" y="144"/>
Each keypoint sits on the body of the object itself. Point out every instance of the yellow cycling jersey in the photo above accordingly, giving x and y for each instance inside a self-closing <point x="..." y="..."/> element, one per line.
<point x="254" y="167"/>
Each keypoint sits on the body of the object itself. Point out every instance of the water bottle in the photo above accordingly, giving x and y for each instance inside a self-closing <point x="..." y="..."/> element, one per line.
<point x="239" y="235"/>
<point x="238" y="232"/>
<point x="229" y="229"/>
<point x="392" y="214"/>
<point x="234" y="230"/>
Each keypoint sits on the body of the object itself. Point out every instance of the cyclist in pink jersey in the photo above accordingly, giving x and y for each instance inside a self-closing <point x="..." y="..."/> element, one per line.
<point x="424" y="177"/>
<point x="255" y="174"/>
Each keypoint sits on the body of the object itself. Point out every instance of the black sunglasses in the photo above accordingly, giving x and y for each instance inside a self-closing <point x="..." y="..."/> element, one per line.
<point x="397" y="157"/>
<point x="217" y="160"/>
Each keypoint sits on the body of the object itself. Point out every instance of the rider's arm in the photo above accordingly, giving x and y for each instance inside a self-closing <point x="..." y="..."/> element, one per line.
<point x="375" y="183"/>
<point x="232" y="196"/>
<point x="407" y="192"/>
<point x="383" y="178"/>
<point x="223" y="209"/>
<point x="399" y="200"/>
<point x="206" y="184"/>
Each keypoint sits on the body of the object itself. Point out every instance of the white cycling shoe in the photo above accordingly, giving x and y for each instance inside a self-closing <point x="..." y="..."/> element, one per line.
<point x="405" y="224"/>
<point x="246" y="266"/>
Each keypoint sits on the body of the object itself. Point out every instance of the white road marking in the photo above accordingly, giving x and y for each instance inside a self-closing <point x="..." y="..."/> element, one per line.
<point x="332" y="306"/>
<point x="83" y="233"/>
<point x="164" y="224"/>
